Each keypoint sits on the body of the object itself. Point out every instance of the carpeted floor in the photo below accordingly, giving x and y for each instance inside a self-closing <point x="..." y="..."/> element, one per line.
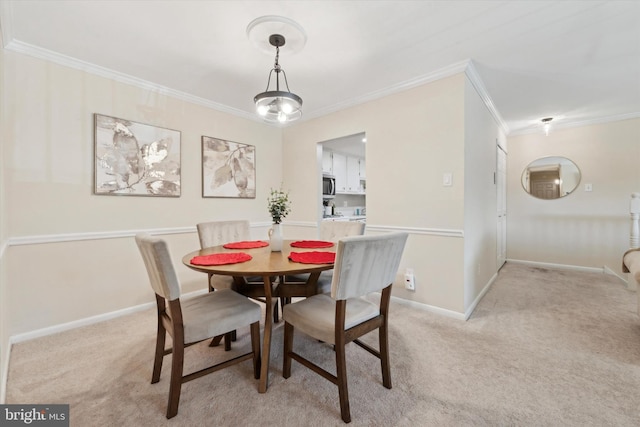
<point x="543" y="348"/>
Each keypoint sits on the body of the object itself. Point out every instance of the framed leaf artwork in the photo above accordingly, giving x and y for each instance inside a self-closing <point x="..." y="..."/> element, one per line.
<point x="134" y="159"/>
<point x="228" y="169"/>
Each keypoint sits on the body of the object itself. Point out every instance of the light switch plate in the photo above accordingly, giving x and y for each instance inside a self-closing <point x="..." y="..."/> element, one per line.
<point x="588" y="187"/>
<point x="447" y="179"/>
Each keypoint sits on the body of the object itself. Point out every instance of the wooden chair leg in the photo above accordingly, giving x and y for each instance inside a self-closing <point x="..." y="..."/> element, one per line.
<point x="341" y="375"/>
<point x="227" y="341"/>
<point x="384" y="355"/>
<point x="175" y="386"/>
<point x="215" y="341"/>
<point x="159" y="356"/>
<point x="288" y="348"/>
<point x="255" y="347"/>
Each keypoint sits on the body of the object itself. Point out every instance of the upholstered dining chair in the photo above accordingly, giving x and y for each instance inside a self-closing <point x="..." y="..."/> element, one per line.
<point x="193" y="320"/>
<point x="330" y="231"/>
<point x="334" y="230"/>
<point x="364" y="264"/>
<point x="214" y="233"/>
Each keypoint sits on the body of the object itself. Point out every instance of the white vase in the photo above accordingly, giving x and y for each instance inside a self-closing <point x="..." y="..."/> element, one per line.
<point x="275" y="238"/>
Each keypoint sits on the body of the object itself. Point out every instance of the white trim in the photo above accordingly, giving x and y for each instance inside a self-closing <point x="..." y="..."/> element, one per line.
<point x="429" y="308"/>
<point x="628" y="283"/>
<point x="603" y="270"/>
<point x="450" y="70"/>
<point x="466" y="66"/>
<point x="98" y="235"/>
<point x="610" y="272"/>
<point x="475" y="302"/>
<point x="559" y="266"/>
<point x="39" y="333"/>
<point x="68" y="61"/>
<point x="299" y="224"/>
<point x="417" y="230"/>
<point x="92" y="320"/>
<point x="3" y="247"/>
<point x="476" y="81"/>
<point x="119" y="234"/>
<point x="574" y="124"/>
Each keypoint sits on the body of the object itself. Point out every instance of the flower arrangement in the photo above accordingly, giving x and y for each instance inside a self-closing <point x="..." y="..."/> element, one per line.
<point x="279" y="205"/>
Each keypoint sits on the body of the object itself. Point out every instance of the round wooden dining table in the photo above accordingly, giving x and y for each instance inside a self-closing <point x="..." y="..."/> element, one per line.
<point x="268" y="265"/>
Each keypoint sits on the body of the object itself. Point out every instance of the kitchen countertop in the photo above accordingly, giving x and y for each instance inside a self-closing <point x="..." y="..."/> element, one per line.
<point x="344" y="217"/>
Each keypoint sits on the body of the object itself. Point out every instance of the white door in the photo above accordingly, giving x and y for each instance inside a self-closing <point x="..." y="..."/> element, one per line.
<point x="501" y="188"/>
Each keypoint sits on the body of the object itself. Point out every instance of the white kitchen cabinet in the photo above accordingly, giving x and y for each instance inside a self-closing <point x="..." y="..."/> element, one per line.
<point x="353" y="175"/>
<point x="327" y="162"/>
<point x="362" y="169"/>
<point x="340" y="172"/>
<point x="348" y="171"/>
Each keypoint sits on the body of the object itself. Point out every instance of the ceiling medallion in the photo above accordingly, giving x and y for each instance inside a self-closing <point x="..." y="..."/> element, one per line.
<point x="278" y="105"/>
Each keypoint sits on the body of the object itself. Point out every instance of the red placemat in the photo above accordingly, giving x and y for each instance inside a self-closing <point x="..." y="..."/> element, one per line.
<point x="220" y="259"/>
<point x="313" y="257"/>
<point x="311" y="244"/>
<point x="246" y="244"/>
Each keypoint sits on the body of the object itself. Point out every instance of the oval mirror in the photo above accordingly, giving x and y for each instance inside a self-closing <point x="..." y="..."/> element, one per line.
<point x="551" y="177"/>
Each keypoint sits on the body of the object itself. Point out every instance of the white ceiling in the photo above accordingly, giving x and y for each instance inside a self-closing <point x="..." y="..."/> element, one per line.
<point x="576" y="61"/>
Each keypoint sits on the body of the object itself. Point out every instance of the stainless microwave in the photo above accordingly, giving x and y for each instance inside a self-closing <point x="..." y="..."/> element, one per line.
<point x="328" y="186"/>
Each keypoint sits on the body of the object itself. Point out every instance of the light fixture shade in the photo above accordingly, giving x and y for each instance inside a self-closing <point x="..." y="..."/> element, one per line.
<point x="278" y="106"/>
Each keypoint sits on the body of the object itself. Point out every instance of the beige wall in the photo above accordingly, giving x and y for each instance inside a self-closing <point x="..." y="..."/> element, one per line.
<point x="413" y="137"/>
<point x="587" y="229"/>
<point x="48" y="157"/>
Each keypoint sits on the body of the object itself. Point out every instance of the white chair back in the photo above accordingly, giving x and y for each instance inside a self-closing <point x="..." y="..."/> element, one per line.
<point x="332" y="231"/>
<point x="157" y="260"/>
<point x="220" y="232"/>
<point x="366" y="264"/>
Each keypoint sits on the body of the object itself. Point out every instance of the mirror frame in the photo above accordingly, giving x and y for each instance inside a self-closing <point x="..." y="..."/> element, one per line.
<point x="550" y="171"/>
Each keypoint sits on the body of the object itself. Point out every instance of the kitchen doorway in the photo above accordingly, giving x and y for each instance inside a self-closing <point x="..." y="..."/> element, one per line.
<point x="344" y="162"/>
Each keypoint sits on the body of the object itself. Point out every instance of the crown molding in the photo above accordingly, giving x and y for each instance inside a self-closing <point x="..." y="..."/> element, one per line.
<point x="466" y="67"/>
<point x="450" y="70"/>
<point x="578" y="123"/>
<point x="473" y="76"/>
<point x="68" y="61"/>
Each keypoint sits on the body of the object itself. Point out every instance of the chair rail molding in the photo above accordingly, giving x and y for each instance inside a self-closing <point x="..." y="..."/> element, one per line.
<point x="119" y="234"/>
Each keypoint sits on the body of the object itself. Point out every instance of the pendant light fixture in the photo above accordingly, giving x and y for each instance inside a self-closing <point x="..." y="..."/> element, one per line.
<point x="279" y="105"/>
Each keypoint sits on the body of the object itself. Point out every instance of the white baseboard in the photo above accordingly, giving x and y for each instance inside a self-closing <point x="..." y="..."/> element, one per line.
<point x="560" y="266"/>
<point x="429" y="308"/>
<point x="89" y="320"/>
<point x="68" y="326"/>
<point x="610" y="272"/>
<point x="475" y="302"/>
<point x="603" y="270"/>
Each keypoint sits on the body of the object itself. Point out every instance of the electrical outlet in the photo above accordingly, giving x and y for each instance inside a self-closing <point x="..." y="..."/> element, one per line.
<point x="409" y="280"/>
